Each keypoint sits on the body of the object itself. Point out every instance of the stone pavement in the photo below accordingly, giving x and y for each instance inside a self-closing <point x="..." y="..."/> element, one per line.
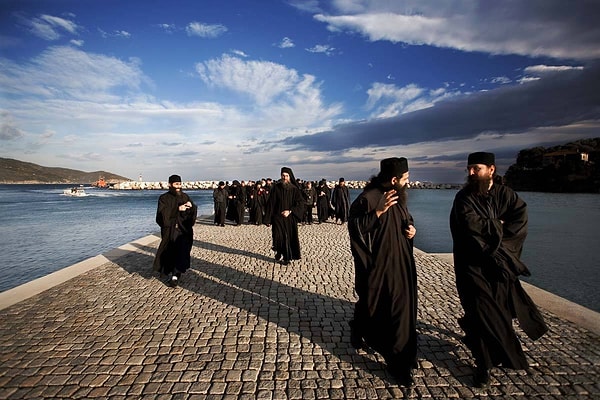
<point x="242" y="326"/>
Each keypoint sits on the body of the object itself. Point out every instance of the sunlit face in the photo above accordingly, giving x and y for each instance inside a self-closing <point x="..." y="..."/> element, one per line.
<point x="399" y="182"/>
<point x="176" y="186"/>
<point x="285" y="177"/>
<point x="481" y="171"/>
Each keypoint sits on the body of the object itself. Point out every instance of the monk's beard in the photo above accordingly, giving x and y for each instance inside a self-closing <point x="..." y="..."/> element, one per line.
<point x="402" y="194"/>
<point x="478" y="186"/>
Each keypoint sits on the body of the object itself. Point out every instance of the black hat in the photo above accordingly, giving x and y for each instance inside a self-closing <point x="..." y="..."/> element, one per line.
<point x="174" y="178"/>
<point x="482" y="157"/>
<point x="341" y="180"/>
<point x="221" y="183"/>
<point x="393" y="167"/>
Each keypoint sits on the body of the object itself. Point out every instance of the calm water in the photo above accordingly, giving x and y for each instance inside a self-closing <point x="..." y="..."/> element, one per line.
<point x="42" y="231"/>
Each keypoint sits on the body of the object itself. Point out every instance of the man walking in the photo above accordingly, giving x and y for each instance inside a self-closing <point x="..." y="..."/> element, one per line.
<point x="381" y="239"/>
<point x="340" y="199"/>
<point x="176" y="216"/>
<point x="488" y="222"/>
<point x="284" y="210"/>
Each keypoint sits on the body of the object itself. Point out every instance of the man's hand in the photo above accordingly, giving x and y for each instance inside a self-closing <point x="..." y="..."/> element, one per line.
<point x="410" y="232"/>
<point x="286" y="213"/>
<point x="185" y="206"/>
<point x="388" y="199"/>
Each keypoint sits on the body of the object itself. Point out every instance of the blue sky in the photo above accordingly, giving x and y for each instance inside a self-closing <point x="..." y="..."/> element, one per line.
<point x="237" y="89"/>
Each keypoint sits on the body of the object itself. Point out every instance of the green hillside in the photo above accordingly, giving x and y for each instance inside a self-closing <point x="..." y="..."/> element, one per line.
<point x="15" y="171"/>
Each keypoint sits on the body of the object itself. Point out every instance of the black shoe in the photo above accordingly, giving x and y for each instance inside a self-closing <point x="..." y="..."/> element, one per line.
<point x="402" y="375"/>
<point x="481" y="377"/>
<point x="278" y="256"/>
<point x="285" y="262"/>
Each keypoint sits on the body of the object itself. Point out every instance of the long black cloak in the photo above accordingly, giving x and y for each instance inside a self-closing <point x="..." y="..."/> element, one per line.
<point x="323" y="202"/>
<point x="220" y="205"/>
<point x="487" y="265"/>
<point x="284" y="231"/>
<point x="176" y="231"/>
<point x="236" y="204"/>
<point x="385" y="278"/>
<point x="340" y="199"/>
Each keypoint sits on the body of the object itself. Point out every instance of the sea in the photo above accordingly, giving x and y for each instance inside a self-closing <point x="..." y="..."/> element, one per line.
<point x="42" y="231"/>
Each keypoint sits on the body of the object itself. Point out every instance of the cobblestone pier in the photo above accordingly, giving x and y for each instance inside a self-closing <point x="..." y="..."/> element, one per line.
<point x="241" y="326"/>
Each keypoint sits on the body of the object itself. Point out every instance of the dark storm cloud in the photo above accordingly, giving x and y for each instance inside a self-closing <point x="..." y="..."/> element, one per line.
<point x="557" y="99"/>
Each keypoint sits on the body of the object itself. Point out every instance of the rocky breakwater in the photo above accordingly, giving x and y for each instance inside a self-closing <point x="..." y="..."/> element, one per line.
<point x="134" y="185"/>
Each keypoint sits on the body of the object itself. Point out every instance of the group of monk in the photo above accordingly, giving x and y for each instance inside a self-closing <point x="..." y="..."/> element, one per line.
<point x="488" y="222"/>
<point x="232" y="200"/>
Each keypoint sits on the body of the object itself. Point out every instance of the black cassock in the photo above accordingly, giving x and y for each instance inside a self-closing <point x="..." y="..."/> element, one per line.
<point x="323" y="202"/>
<point x="340" y="199"/>
<point x="176" y="231"/>
<point x="285" y="230"/>
<point x="487" y="265"/>
<point x="235" y="205"/>
<point x="385" y="279"/>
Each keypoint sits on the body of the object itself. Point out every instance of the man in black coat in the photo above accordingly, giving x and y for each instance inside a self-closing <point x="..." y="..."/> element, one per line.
<point x="176" y="215"/>
<point x="488" y="222"/>
<point x="284" y="210"/>
<point x="381" y="239"/>
<point x="220" y="203"/>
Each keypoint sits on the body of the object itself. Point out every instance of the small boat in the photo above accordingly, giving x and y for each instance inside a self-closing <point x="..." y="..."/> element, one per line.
<point x="75" y="192"/>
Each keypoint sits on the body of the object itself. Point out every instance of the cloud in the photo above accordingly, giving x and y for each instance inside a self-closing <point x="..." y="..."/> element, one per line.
<point x="286" y="43"/>
<point x="49" y="27"/>
<point x="8" y="128"/>
<point x="552" y="28"/>
<point x="66" y="72"/>
<point x="267" y="83"/>
<point x="205" y="30"/>
<point x="388" y="100"/>
<point x="556" y="101"/>
<point x="239" y="53"/>
<point x="168" y="28"/>
<point x="123" y="34"/>
<point x="321" y="48"/>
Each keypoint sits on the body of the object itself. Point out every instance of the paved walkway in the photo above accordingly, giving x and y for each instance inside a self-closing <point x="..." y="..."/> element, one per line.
<point x="241" y="326"/>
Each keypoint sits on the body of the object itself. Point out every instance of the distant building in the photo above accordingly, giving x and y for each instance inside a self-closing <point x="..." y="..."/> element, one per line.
<point x="560" y="157"/>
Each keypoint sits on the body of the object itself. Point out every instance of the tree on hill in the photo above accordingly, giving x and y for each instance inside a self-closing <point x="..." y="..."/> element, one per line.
<point x="572" y="167"/>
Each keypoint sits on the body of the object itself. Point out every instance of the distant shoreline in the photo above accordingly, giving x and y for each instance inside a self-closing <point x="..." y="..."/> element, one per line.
<point x="211" y="185"/>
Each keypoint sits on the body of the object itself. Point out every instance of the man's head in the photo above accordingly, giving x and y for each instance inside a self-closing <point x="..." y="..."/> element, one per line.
<point x="342" y="182"/>
<point x="481" y="167"/>
<point x="287" y="176"/>
<point x="221" y="185"/>
<point x="394" y="171"/>
<point x="175" y="183"/>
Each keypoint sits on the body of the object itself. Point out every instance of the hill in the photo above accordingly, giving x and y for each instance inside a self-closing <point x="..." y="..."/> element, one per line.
<point x="573" y="167"/>
<point x="15" y="171"/>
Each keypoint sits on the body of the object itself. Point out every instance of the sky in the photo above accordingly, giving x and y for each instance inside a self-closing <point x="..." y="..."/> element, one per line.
<point x="237" y="89"/>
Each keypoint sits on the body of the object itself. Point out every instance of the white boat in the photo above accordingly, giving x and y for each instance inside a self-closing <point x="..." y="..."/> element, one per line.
<point x="75" y="192"/>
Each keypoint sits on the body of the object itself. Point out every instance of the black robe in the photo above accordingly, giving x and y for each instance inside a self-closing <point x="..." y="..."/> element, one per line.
<point x="176" y="231"/>
<point x="236" y="205"/>
<point x="323" y="202"/>
<point x="220" y="204"/>
<point x="340" y="199"/>
<point x="256" y="207"/>
<point x="385" y="279"/>
<point x="487" y="265"/>
<point x="284" y="231"/>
